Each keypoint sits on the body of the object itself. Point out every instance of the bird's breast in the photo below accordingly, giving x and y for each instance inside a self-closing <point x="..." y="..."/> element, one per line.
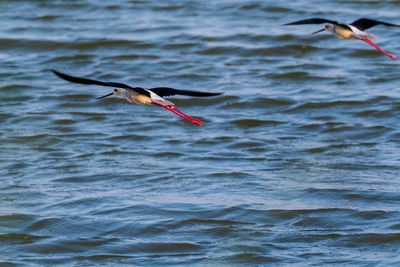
<point x="138" y="99"/>
<point x="343" y="33"/>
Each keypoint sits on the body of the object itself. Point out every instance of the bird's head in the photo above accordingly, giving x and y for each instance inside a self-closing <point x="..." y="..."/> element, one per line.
<point x="117" y="91"/>
<point x="328" y="28"/>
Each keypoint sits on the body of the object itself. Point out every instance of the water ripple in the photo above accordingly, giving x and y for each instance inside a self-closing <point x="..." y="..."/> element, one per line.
<point x="297" y="163"/>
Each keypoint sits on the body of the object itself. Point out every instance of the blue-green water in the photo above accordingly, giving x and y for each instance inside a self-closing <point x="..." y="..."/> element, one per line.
<point x="298" y="161"/>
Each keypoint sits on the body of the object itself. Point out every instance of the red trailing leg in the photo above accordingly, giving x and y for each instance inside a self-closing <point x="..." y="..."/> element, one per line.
<point x="180" y="113"/>
<point x="377" y="47"/>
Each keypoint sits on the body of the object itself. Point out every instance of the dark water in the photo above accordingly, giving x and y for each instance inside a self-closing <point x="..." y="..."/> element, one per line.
<point x="298" y="162"/>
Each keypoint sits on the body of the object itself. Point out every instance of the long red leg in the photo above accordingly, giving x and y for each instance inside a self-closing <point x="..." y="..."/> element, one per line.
<point x="180" y="113"/>
<point x="377" y="47"/>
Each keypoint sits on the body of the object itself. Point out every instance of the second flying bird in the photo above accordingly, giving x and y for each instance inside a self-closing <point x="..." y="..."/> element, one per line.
<point x="354" y="30"/>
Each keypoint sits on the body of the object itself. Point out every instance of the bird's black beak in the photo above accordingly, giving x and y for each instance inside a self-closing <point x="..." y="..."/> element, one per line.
<point x="319" y="31"/>
<point x="105" y="95"/>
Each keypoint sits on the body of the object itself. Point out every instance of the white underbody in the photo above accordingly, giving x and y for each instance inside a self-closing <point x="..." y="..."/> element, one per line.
<point x="345" y="34"/>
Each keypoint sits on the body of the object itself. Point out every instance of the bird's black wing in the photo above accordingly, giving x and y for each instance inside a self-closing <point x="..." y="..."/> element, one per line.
<point x="166" y="91"/>
<point x="80" y="80"/>
<point x="312" y="21"/>
<point x="363" y="24"/>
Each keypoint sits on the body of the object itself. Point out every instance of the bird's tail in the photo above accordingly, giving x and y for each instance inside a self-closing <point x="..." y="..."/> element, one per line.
<point x="363" y="36"/>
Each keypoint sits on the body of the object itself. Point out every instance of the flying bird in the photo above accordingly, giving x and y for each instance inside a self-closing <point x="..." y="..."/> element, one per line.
<point x="353" y="31"/>
<point x="141" y="96"/>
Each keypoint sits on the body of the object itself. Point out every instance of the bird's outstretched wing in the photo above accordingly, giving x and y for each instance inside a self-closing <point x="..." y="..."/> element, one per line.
<point x="80" y="80"/>
<point x="166" y="91"/>
<point x="312" y="21"/>
<point x="363" y="24"/>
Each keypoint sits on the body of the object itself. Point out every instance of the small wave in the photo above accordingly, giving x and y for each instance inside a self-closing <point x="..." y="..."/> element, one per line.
<point x="46" y="17"/>
<point x="250" y="123"/>
<point x="248" y="144"/>
<point x="248" y="258"/>
<point x="329" y="104"/>
<point x="260" y="102"/>
<point x="168" y="154"/>
<point x="16" y="238"/>
<point x="231" y="174"/>
<point x="85" y="178"/>
<point x="370" y="239"/>
<point x="46" y="45"/>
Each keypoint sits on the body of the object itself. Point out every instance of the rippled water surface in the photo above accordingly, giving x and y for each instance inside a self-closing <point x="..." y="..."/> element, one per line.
<point x="298" y="161"/>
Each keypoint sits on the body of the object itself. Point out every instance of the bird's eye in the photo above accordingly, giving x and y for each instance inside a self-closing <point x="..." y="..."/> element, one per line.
<point x="115" y="90"/>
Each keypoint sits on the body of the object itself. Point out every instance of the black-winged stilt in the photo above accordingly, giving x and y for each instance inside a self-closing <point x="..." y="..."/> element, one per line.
<point x="354" y="30"/>
<point x="141" y="96"/>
